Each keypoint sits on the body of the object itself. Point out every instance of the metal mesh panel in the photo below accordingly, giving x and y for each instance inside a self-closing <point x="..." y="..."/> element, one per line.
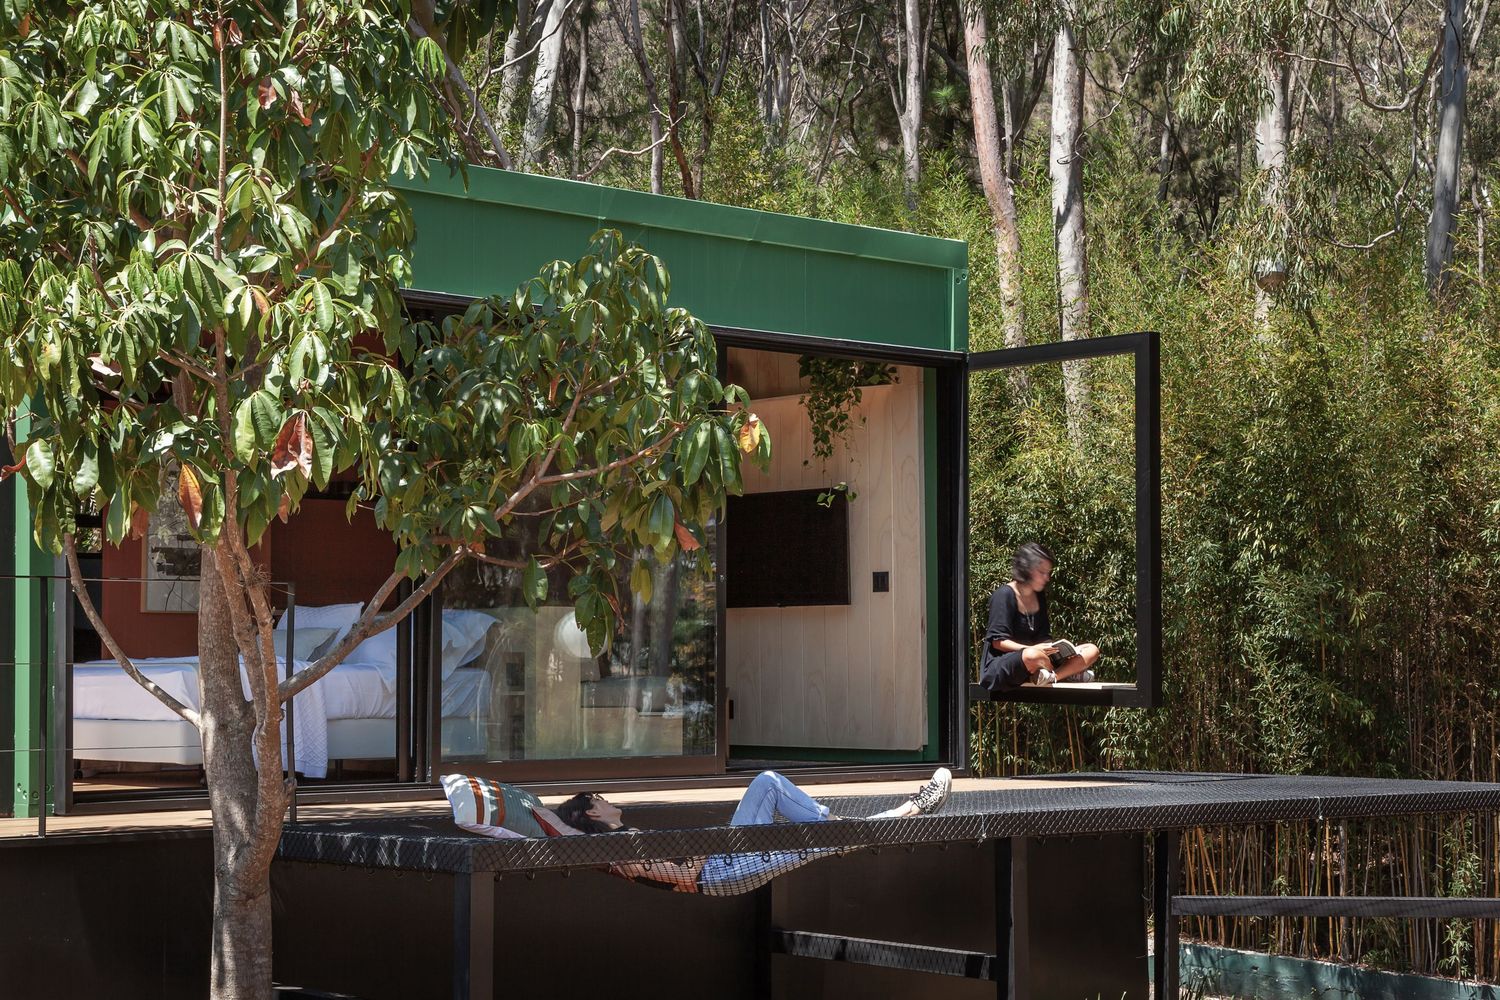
<point x="1132" y="802"/>
<point x="888" y="954"/>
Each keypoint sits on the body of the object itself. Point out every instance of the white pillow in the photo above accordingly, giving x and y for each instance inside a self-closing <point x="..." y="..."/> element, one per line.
<point x="464" y="636"/>
<point x="379" y="650"/>
<point x="340" y="617"/>
<point x="463" y="639"/>
<point x="307" y="644"/>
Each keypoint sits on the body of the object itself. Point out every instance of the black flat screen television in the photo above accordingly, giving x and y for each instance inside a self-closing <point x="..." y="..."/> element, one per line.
<point x="786" y="550"/>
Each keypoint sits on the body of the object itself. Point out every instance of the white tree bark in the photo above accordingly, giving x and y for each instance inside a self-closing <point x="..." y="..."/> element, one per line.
<point x="544" y="82"/>
<point x="993" y="174"/>
<point x="1273" y="139"/>
<point x="510" y="76"/>
<point x="1066" y="167"/>
<point x="776" y="75"/>
<point x="910" y="111"/>
<point x="1452" y="98"/>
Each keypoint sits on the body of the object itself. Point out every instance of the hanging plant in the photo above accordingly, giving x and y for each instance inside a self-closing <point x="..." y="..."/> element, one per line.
<point x="835" y="388"/>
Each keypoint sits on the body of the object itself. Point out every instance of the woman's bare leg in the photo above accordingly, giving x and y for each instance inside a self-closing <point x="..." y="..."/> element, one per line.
<point x="1088" y="655"/>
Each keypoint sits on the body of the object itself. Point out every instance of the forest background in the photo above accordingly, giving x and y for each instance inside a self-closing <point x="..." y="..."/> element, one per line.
<point x="1296" y="193"/>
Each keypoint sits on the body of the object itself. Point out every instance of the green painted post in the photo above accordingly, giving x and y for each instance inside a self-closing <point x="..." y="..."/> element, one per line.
<point x="26" y="650"/>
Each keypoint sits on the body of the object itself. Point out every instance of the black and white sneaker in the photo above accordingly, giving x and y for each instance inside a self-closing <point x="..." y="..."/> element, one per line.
<point x="931" y="796"/>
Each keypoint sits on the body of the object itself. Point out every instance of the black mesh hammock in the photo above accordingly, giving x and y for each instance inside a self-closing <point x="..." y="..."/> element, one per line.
<point x="502" y="811"/>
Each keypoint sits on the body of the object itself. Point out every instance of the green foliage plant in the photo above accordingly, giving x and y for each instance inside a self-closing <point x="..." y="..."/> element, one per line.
<point x="835" y="389"/>
<point x="200" y="257"/>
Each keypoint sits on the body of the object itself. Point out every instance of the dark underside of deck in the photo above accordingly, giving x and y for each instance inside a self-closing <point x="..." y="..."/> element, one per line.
<point x="996" y="896"/>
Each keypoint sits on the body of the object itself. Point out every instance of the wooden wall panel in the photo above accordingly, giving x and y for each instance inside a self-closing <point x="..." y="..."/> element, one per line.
<point x="851" y="677"/>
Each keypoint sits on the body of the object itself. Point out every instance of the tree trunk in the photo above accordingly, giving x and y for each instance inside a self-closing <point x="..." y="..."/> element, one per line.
<point x="630" y="27"/>
<point x="242" y="847"/>
<point x="997" y="185"/>
<point x="1273" y="138"/>
<point x="911" y="112"/>
<point x="672" y="28"/>
<point x="580" y="95"/>
<point x="1452" y="98"/>
<point x="510" y="76"/>
<point x="539" y="108"/>
<point x="1067" y="215"/>
<point x="776" y="79"/>
<point x="1164" y="157"/>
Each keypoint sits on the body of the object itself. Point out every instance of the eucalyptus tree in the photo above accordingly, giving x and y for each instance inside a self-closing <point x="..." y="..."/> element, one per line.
<point x="200" y="255"/>
<point x="1241" y="64"/>
<point x="907" y="91"/>
<point x="1447" y="163"/>
<point x="990" y="151"/>
<point x="1065" y="168"/>
<point x="543" y="82"/>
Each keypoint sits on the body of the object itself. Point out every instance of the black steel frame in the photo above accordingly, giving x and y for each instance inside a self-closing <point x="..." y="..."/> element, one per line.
<point x="1145" y="347"/>
<point x="951" y="368"/>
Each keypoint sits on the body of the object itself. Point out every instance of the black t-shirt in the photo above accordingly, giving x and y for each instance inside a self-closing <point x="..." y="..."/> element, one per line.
<point x="1007" y="622"/>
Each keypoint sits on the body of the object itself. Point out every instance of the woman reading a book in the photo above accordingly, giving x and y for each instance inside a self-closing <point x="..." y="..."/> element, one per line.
<point x="1018" y="644"/>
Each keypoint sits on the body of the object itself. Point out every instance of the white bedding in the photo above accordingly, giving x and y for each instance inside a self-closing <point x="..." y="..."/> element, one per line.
<point x="101" y="690"/>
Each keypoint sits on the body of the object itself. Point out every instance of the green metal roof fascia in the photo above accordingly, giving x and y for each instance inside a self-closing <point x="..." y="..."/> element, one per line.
<point x="601" y="203"/>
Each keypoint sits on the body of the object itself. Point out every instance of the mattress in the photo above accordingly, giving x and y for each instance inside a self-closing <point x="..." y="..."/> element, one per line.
<point x="101" y="690"/>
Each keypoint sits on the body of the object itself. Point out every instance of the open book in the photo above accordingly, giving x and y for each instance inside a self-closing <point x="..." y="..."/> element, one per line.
<point x="1062" y="651"/>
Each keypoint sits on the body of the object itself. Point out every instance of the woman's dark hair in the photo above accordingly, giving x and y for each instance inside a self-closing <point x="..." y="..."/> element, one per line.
<point x="575" y="813"/>
<point x="1028" y="559"/>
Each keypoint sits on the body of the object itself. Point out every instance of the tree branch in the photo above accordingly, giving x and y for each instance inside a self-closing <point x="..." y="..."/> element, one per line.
<point x="371" y="623"/>
<point x="619" y="463"/>
<point x="457" y="79"/>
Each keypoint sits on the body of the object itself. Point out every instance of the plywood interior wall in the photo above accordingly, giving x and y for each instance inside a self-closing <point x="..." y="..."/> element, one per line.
<point x="855" y="676"/>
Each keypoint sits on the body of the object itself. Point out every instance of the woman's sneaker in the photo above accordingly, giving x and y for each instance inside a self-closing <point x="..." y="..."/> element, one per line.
<point x="1043" y="678"/>
<point x="1086" y="677"/>
<point x="931" y="796"/>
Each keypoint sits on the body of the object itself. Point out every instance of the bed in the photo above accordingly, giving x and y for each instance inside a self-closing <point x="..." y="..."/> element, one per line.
<point x="349" y="714"/>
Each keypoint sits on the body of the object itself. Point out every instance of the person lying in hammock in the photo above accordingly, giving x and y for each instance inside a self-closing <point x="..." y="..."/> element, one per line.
<point x="504" y="811"/>
<point x="730" y="874"/>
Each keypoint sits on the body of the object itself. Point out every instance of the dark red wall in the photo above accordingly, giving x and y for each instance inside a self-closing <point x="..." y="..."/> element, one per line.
<point x="331" y="560"/>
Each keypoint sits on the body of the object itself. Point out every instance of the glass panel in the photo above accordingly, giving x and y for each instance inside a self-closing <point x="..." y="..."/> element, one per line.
<point x="523" y="684"/>
<point x="1052" y="461"/>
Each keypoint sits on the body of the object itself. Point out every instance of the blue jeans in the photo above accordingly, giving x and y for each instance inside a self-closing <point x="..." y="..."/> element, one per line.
<point x="770" y="793"/>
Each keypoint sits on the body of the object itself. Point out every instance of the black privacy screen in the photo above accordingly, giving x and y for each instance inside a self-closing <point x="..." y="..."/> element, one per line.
<point x="786" y="549"/>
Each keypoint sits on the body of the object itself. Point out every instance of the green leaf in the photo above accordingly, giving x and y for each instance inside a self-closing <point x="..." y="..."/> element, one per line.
<point x="41" y="465"/>
<point x="694" y="452"/>
<point x="86" y="472"/>
<point x="244" y="429"/>
<point x="117" y="519"/>
<point x="322" y="300"/>
<point x="640" y="580"/>
<point x="267" y="415"/>
<point x="663" y="517"/>
<point x="534" y="582"/>
<point x="323" y="449"/>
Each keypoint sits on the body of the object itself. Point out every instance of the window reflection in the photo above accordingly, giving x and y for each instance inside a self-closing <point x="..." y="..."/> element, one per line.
<point x="648" y="693"/>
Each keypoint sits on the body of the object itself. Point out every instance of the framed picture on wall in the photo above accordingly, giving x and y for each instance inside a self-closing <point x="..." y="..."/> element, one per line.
<point x="173" y="559"/>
